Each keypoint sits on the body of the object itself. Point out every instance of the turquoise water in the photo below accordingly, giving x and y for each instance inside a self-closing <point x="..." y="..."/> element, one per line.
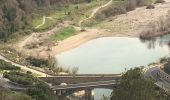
<point x="112" y="55"/>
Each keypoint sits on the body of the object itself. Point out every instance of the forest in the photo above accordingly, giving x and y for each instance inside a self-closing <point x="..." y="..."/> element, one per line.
<point x="16" y="15"/>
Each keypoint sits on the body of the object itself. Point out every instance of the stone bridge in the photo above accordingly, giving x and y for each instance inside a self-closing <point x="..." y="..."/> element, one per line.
<point x="80" y="78"/>
<point x="79" y="82"/>
<point x="65" y="90"/>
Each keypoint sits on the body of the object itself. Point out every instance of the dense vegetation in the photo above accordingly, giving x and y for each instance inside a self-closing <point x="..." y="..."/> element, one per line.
<point x="21" y="78"/>
<point x="37" y="62"/>
<point x="6" y="94"/>
<point x="38" y="90"/>
<point x="7" y="66"/>
<point x="16" y="15"/>
<point x="41" y="91"/>
<point x="133" y="86"/>
<point x="167" y="65"/>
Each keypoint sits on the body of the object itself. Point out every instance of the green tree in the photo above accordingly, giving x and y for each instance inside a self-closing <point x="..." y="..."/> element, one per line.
<point x="133" y="86"/>
<point x="41" y="91"/>
<point x="6" y="94"/>
<point x="167" y="66"/>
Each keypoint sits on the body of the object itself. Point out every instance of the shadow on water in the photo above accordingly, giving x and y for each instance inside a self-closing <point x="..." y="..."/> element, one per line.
<point x="152" y="42"/>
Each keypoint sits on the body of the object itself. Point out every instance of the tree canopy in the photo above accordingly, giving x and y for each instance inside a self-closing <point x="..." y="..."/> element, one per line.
<point x="16" y="15"/>
<point x="133" y="86"/>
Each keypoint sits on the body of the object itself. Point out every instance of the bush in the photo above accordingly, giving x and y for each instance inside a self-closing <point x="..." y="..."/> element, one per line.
<point x="159" y="1"/>
<point x="28" y="72"/>
<point x="150" y="7"/>
<point x="7" y="66"/>
<point x="6" y="94"/>
<point x="161" y="27"/>
<point x="167" y="67"/>
<point x="120" y="7"/>
<point x="134" y="86"/>
<point x="41" y="91"/>
<point x="37" y="62"/>
<point x="21" y="78"/>
<point x="31" y="46"/>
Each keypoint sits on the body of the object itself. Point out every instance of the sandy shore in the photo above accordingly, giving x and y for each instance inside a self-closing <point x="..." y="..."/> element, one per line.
<point x="69" y="43"/>
<point x="131" y="23"/>
<point x="84" y="37"/>
<point x="134" y="21"/>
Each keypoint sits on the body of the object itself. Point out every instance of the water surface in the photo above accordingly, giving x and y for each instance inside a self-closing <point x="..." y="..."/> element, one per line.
<point x="114" y="55"/>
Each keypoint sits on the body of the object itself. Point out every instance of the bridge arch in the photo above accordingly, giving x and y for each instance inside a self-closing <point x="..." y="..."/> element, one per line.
<point x="71" y="91"/>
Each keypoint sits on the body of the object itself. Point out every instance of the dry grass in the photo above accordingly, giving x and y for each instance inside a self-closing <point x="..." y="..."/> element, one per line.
<point x="160" y="27"/>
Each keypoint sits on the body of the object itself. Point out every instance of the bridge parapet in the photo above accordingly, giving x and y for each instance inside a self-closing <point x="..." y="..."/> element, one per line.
<point x="83" y="78"/>
<point x="164" y="75"/>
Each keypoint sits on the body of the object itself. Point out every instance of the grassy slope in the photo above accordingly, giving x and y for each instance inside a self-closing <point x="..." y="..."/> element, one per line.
<point x="58" y="12"/>
<point x="64" y="33"/>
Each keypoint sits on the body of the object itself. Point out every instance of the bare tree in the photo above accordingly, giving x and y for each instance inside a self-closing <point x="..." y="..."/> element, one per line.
<point x="74" y="70"/>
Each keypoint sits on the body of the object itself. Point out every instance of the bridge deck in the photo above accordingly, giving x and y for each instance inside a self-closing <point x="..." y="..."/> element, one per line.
<point x="85" y="85"/>
<point x="81" y="78"/>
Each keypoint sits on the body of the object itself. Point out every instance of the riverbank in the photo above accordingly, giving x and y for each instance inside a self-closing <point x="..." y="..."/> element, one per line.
<point x="138" y="20"/>
<point x="84" y="37"/>
<point x="131" y="23"/>
<point x="72" y="42"/>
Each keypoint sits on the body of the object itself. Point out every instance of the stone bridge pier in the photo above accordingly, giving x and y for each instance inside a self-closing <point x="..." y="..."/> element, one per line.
<point x="88" y="95"/>
<point x="63" y="93"/>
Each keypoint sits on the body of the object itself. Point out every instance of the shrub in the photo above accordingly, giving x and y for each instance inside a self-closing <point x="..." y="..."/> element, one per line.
<point x="130" y="5"/>
<point x="6" y="94"/>
<point x="7" y="66"/>
<point x="161" y="27"/>
<point x="134" y="86"/>
<point x="21" y="78"/>
<point x="41" y="91"/>
<point x="120" y="7"/>
<point x="159" y="1"/>
<point x="28" y="72"/>
<point x="31" y="46"/>
<point x="37" y="62"/>
<point x="167" y="67"/>
<point x="150" y="7"/>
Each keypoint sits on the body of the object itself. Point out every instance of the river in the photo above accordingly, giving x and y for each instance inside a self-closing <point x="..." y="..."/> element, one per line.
<point x="114" y="55"/>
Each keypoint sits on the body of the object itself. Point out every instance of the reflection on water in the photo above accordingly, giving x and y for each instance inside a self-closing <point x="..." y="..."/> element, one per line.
<point x="112" y="55"/>
<point x="161" y="41"/>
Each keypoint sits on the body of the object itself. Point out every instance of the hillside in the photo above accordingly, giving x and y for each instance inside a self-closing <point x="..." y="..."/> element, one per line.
<point x="17" y="15"/>
<point x="138" y="20"/>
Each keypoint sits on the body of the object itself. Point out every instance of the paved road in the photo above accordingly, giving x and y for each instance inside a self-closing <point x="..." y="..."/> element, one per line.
<point x="84" y="85"/>
<point x="153" y="73"/>
<point x="7" y="84"/>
